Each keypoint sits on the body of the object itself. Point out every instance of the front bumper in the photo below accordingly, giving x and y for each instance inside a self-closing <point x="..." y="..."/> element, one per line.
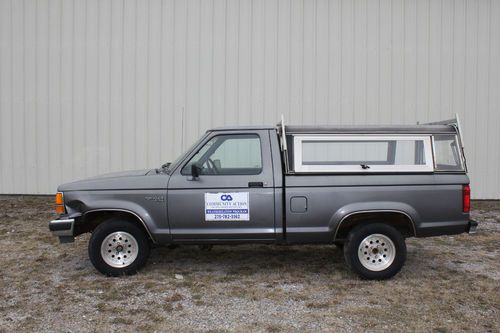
<point x="63" y="228"/>
<point x="472" y="227"/>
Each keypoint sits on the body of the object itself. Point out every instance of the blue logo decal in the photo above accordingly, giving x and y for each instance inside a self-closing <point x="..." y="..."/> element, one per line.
<point x="226" y="197"/>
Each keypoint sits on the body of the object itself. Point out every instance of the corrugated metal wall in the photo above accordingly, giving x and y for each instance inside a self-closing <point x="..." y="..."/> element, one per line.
<point x="88" y="87"/>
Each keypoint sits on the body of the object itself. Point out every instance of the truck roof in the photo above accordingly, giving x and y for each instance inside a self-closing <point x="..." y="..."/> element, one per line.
<point x="371" y="129"/>
<point x="242" y="128"/>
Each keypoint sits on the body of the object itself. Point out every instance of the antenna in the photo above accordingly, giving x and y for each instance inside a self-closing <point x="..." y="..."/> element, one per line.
<point x="182" y="129"/>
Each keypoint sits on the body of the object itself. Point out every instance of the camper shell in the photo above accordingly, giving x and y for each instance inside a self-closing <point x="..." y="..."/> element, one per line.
<point x="426" y="137"/>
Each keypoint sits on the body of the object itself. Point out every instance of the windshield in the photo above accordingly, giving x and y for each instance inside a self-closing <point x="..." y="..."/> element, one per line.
<point x="168" y="167"/>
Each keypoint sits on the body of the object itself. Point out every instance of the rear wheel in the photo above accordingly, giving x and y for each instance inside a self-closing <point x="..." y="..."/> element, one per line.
<point x="118" y="247"/>
<point x="375" y="251"/>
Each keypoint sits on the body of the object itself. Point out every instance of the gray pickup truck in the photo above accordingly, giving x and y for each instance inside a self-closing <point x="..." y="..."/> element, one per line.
<point x="364" y="189"/>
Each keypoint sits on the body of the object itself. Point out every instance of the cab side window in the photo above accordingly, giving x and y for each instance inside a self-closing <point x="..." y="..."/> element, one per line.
<point x="228" y="155"/>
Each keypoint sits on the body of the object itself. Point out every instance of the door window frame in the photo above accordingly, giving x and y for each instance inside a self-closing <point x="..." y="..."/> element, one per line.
<point x="208" y="139"/>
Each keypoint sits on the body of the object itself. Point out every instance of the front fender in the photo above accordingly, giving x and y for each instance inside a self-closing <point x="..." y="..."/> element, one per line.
<point x="151" y="213"/>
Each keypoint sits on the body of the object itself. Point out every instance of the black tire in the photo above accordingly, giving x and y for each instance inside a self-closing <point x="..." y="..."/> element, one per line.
<point x="109" y="227"/>
<point x="339" y="245"/>
<point x="362" y="232"/>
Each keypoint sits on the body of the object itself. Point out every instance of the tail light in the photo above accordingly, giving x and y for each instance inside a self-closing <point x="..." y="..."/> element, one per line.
<point x="466" y="198"/>
<point x="60" y="203"/>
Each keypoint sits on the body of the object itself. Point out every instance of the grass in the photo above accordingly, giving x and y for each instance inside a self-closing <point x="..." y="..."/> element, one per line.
<point x="448" y="284"/>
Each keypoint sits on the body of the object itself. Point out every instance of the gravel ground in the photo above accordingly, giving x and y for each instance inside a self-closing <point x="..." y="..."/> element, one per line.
<point x="449" y="283"/>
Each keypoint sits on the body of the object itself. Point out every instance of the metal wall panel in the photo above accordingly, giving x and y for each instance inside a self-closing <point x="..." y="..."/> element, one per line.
<point x="88" y="87"/>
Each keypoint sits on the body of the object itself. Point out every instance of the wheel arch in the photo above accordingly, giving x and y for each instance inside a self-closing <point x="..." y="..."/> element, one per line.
<point x="92" y="218"/>
<point x="400" y="220"/>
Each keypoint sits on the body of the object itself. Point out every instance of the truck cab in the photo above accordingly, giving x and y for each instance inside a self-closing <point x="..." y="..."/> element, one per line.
<point x="230" y="168"/>
<point x="365" y="189"/>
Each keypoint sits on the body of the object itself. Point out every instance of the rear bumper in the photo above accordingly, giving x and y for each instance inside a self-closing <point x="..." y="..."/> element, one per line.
<point x="63" y="228"/>
<point x="472" y="227"/>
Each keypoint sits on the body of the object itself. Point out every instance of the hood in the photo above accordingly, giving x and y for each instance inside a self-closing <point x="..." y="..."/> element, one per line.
<point x="123" y="180"/>
<point x="128" y="173"/>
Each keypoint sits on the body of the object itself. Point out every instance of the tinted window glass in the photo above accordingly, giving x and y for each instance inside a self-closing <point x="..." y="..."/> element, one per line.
<point x="228" y="155"/>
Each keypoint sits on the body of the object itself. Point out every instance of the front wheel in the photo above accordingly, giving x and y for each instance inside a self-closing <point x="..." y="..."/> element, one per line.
<point x="375" y="251"/>
<point x="118" y="247"/>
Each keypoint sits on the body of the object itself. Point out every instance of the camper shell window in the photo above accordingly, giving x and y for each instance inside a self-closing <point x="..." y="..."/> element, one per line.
<point x="367" y="153"/>
<point x="447" y="153"/>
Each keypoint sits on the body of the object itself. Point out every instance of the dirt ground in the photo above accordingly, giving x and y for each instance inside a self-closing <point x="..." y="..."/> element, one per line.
<point x="448" y="284"/>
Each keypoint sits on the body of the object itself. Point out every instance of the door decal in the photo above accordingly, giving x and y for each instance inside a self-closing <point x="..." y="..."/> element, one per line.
<point x="227" y="206"/>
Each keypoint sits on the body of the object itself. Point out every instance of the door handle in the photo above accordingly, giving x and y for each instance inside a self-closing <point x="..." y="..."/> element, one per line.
<point x="255" y="184"/>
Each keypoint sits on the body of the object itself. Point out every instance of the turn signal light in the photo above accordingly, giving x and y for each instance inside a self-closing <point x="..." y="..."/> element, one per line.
<point x="466" y="198"/>
<point x="60" y="203"/>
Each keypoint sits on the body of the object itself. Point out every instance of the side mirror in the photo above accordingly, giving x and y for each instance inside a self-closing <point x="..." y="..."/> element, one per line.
<point x="195" y="171"/>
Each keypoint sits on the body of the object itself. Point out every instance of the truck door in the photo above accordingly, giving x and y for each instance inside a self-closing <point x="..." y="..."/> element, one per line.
<point x="233" y="196"/>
